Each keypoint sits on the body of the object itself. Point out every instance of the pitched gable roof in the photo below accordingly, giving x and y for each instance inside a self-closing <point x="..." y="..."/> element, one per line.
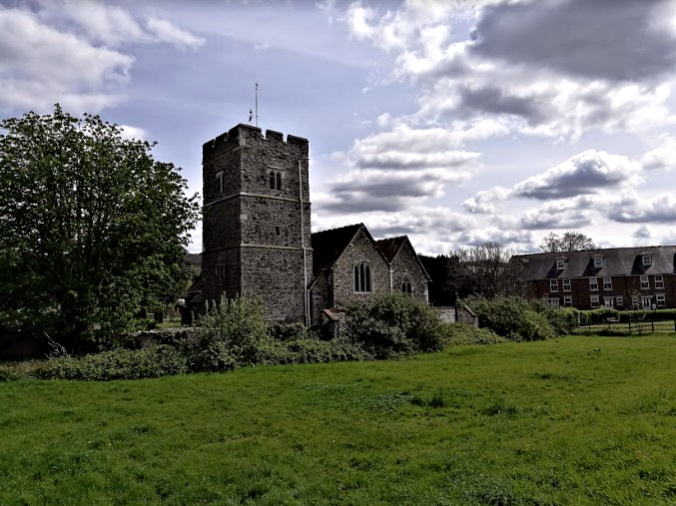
<point x="328" y="245"/>
<point x="616" y="262"/>
<point x="390" y="247"/>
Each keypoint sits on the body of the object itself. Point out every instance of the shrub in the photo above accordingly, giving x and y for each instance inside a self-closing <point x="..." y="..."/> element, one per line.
<point x="230" y="334"/>
<point x="118" y="364"/>
<point x="288" y="331"/>
<point x="463" y="333"/>
<point x="393" y="325"/>
<point x="512" y="318"/>
<point x="306" y="351"/>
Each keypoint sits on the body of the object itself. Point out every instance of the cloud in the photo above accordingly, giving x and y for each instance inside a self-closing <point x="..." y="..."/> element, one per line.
<point x="484" y="201"/>
<point x="554" y="68"/>
<point x="585" y="173"/>
<point x="661" y="157"/>
<point x="166" y="31"/>
<point x="131" y="132"/>
<point x="631" y="208"/>
<point x="107" y="24"/>
<point x="41" y="66"/>
<point x="614" y="41"/>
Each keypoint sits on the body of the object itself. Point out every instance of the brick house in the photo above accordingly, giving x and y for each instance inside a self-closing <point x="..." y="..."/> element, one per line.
<point x="257" y="240"/>
<point x="620" y="278"/>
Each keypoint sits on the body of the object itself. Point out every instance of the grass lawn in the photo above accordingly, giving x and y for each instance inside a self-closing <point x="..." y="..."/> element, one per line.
<point x="578" y="420"/>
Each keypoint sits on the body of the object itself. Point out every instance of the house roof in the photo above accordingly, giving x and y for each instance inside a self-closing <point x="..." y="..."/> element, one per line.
<point x="616" y="262"/>
<point x="390" y="247"/>
<point x="328" y="245"/>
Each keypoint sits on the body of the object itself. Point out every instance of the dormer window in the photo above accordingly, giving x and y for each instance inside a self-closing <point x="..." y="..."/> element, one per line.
<point x="598" y="262"/>
<point x="646" y="260"/>
<point x="560" y="264"/>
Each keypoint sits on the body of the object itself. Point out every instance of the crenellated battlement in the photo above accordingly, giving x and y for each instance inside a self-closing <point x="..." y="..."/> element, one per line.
<point x="244" y="135"/>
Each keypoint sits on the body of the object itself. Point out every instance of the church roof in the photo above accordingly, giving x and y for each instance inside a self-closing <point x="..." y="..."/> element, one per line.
<point x="390" y="247"/>
<point x="328" y="245"/>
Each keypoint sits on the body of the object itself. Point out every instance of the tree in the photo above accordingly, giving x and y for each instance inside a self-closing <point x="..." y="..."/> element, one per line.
<point x="485" y="270"/>
<point x="568" y="241"/>
<point x="91" y="228"/>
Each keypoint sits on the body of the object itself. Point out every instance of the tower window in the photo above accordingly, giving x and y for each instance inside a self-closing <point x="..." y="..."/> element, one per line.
<point x="219" y="179"/>
<point x="272" y="179"/>
<point x="279" y="181"/>
<point x="362" y="278"/>
<point x="278" y="231"/>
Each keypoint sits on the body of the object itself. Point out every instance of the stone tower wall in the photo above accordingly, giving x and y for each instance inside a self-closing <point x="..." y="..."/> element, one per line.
<point x="255" y="232"/>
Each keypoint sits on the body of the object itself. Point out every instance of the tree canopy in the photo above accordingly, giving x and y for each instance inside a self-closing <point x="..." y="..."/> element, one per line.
<point x="91" y="228"/>
<point x="568" y="241"/>
<point x="484" y="270"/>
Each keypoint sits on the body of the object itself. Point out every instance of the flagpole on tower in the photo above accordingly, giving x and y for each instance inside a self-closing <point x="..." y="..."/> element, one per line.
<point x="256" y="105"/>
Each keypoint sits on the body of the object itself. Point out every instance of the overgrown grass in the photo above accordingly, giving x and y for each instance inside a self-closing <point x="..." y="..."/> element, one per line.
<point x="572" y="421"/>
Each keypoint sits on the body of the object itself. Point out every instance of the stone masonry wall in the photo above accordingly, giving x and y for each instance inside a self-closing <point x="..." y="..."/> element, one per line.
<point x="256" y="226"/>
<point x="406" y="265"/>
<point x="361" y="249"/>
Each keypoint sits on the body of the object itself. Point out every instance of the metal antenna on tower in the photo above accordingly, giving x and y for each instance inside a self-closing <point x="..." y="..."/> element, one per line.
<point x="256" y="105"/>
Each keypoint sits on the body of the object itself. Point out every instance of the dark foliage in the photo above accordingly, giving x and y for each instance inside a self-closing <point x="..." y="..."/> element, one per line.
<point x="91" y="228"/>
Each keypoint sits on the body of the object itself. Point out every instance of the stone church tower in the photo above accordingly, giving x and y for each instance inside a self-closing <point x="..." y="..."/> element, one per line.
<point x="256" y="226"/>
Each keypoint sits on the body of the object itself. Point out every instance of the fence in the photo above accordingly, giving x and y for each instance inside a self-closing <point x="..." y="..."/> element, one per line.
<point x="636" y="327"/>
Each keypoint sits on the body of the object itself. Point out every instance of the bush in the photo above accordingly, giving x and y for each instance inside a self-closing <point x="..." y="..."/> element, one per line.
<point x="118" y="364"/>
<point x="393" y="325"/>
<point x="512" y="318"/>
<point x="464" y="333"/>
<point x="230" y="334"/>
<point x="310" y="351"/>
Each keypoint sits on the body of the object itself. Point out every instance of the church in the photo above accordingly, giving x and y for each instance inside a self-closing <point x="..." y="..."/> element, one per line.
<point x="257" y="238"/>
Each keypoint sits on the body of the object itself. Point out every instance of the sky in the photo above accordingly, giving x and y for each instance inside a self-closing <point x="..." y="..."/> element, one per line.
<point x="453" y="122"/>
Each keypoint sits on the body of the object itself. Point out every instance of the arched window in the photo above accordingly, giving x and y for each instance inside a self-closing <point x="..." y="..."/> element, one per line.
<point x="362" y="278"/>
<point x="279" y="181"/>
<point x="272" y="179"/>
<point x="406" y="286"/>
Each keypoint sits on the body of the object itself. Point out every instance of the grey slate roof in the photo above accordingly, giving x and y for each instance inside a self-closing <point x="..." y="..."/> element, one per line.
<point x="616" y="262"/>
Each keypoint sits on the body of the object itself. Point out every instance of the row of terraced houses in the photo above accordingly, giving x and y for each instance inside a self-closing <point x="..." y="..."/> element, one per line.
<point x="620" y="278"/>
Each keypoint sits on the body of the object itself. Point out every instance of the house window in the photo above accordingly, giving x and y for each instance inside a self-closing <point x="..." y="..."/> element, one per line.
<point x="646" y="260"/>
<point x="566" y="285"/>
<point x="598" y="262"/>
<point x="593" y="284"/>
<point x="219" y="178"/>
<point x="608" y="283"/>
<point x="560" y="263"/>
<point x="553" y="303"/>
<point x="272" y="179"/>
<point x="608" y="302"/>
<point x="646" y="301"/>
<point x="661" y="300"/>
<point x="594" y="299"/>
<point x="553" y="285"/>
<point x="634" y="301"/>
<point x="619" y="302"/>
<point x="645" y="282"/>
<point x="406" y="286"/>
<point x="567" y="301"/>
<point x="659" y="281"/>
<point x="362" y="278"/>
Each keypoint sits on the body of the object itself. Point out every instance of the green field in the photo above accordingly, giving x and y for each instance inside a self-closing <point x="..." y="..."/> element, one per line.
<point x="577" y="420"/>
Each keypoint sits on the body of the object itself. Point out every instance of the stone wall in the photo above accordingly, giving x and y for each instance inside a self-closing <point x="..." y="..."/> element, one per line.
<point x="361" y="249"/>
<point x="405" y="265"/>
<point x="254" y="232"/>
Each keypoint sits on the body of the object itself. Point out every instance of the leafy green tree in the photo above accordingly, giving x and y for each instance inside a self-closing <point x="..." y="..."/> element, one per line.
<point x="91" y="228"/>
